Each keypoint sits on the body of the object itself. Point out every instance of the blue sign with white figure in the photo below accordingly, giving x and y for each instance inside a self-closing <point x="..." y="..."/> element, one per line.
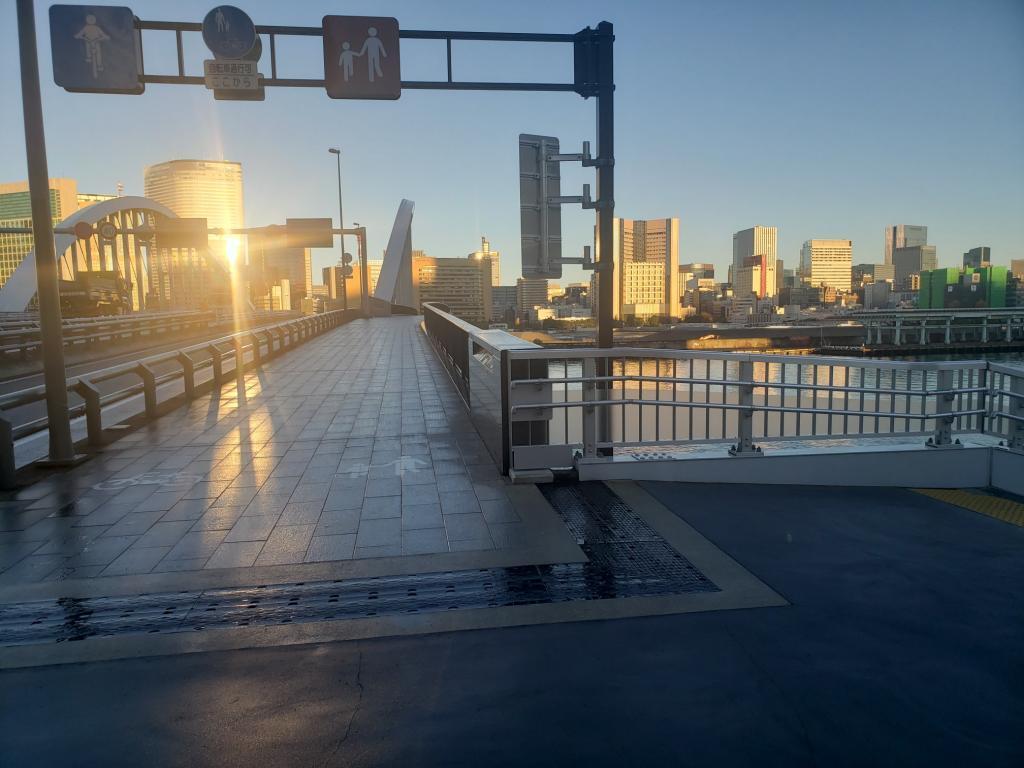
<point x="96" y="49"/>
<point x="229" y="32"/>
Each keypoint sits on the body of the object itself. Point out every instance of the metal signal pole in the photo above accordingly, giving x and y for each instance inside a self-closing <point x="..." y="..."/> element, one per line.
<point x="62" y="448"/>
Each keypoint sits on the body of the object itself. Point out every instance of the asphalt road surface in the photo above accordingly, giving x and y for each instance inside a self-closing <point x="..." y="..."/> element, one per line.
<point x="902" y="646"/>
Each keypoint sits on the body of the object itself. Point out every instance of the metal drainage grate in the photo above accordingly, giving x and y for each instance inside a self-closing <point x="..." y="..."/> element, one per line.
<point x="627" y="558"/>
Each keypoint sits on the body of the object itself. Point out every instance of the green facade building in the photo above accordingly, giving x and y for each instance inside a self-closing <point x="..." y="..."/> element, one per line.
<point x="969" y="288"/>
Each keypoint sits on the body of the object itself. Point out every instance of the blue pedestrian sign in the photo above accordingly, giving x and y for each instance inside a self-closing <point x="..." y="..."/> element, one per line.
<point x="229" y="32"/>
<point x="96" y="49"/>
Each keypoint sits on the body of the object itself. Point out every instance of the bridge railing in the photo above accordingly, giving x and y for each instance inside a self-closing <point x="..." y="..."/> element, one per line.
<point x="21" y="337"/>
<point x="558" y="405"/>
<point x="105" y="398"/>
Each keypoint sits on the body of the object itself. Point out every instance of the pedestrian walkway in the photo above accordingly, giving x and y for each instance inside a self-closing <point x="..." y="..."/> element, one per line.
<point x="354" y="446"/>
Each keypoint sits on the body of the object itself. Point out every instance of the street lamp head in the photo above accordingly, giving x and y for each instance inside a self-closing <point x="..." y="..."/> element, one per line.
<point x="334" y="151"/>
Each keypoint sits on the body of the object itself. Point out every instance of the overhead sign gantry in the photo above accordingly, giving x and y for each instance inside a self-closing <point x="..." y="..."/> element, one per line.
<point x="98" y="49"/>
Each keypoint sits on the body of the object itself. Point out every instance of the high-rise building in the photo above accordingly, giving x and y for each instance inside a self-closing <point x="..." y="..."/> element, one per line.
<point x="978" y="257"/>
<point x="503" y="303"/>
<point x="16" y="211"/>
<point x="868" y="273"/>
<point x="748" y="279"/>
<point x="271" y="261"/>
<point x="909" y="262"/>
<point x="903" y="236"/>
<point x="210" y="189"/>
<point x="827" y="262"/>
<point x="494" y="257"/>
<point x="88" y="198"/>
<point x="646" y="258"/>
<point x="530" y="292"/>
<point x="971" y="287"/>
<point x="757" y="241"/>
<point x="353" y="285"/>
<point x="464" y="285"/>
<point x="1017" y="268"/>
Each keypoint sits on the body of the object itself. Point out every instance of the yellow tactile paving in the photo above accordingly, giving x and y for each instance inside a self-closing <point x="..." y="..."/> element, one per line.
<point x="978" y="501"/>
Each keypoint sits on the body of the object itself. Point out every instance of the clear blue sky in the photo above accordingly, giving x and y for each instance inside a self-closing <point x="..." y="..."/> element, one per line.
<point x="825" y="119"/>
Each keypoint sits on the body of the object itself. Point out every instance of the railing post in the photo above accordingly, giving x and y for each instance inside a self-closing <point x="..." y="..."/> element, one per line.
<point x="745" y="423"/>
<point x="255" y="338"/>
<point x="216" y="364"/>
<point x="93" y="412"/>
<point x="590" y="392"/>
<point x="148" y="376"/>
<point x="239" y="358"/>
<point x="943" y="436"/>
<point x="188" y="374"/>
<point x="1015" y="431"/>
<point x="505" y="370"/>
<point x="7" y="467"/>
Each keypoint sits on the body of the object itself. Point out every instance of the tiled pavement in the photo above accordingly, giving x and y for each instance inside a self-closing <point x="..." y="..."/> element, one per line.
<point x="355" y="445"/>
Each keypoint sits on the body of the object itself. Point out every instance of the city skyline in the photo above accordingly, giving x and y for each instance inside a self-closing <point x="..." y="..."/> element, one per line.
<point x="691" y="164"/>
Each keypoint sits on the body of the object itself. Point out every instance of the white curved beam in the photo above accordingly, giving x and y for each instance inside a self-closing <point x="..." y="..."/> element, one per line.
<point x="394" y="285"/>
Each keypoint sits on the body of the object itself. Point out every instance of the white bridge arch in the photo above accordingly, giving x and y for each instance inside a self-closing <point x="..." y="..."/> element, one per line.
<point x="17" y="293"/>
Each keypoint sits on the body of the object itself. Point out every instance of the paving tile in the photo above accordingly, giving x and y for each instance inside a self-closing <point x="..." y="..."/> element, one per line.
<point x="422" y="516"/>
<point x="168" y="566"/>
<point x="338" y="521"/>
<point x="252" y="528"/>
<point x="386" y="486"/>
<point x="466" y="526"/>
<point x="382" y="507"/>
<point x="102" y="551"/>
<point x="447" y="467"/>
<point x="196" y="545"/>
<point x="287" y="544"/>
<point x="234" y="554"/>
<point x="301" y="513"/>
<point x="266" y="505"/>
<point x="419" y="494"/>
<point x="135" y="560"/>
<point x="164" y="534"/>
<point x="236" y="497"/>
<point x="459" y="503"/>
<point x="418" y="477"/>
<point x="393" y="550"/>
<point x="499" y="511"/>
<point x="65" y="572"/>
<point x="310" y="492"/>
<point x="187" y="509"/>
<point x="134" y="523"/>
<point x="349" y="498"/>
<point x="160" y="501"/>
<point x="31" y="568"/>
<point x="48" y="528"/>
<point x="380" y="533"/>
<point x="323" y="548"/>
<point x="218" y="518"/>
<point x="207" y="489"/>
<point x="447" y="483"/>
<point x="279" y="486"/>
<point x="489" y="489"/>
<point x="69" y="544"/>
<point x="424" y="541"/>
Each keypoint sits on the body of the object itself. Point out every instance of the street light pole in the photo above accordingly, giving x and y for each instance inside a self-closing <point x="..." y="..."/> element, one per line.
<point x="341" y="226"/>
<point x="62" y="449"/>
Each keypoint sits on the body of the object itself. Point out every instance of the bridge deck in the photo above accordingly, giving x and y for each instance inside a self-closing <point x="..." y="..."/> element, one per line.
<point x="355" y="445"/>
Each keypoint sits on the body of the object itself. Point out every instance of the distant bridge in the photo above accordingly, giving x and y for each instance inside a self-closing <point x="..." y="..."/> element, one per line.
<point x="921" y="327"/>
